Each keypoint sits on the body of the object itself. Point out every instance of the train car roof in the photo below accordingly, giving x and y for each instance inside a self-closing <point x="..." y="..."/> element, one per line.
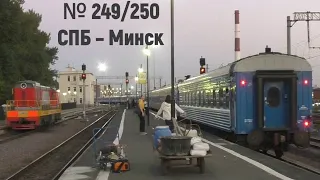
<point x="261" y="61"/>
<point x="268" y="61"/>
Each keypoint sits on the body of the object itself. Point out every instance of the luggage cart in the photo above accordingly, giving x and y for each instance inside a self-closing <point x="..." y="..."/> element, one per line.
<point x="166" y="161"/>
<point x="102" y="155"/>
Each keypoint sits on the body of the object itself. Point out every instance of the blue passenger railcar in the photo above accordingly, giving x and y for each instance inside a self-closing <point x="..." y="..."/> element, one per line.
<point x="265" y="99"/>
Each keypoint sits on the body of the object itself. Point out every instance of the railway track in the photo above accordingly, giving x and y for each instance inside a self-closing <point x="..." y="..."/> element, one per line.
<point x="315" y="142"/>
<point x="294" y="162"/>
<point x="11" y="135"/>
<point x="54" y="162"/>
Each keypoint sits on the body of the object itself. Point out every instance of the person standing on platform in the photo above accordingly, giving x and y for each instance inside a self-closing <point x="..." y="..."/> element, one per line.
<point x="166" y="110"/>
<point x="141" y="115"/>
<point x="133" y="103"/>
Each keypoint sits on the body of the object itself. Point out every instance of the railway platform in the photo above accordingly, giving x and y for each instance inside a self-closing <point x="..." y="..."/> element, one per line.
<point x="229" y="161"/>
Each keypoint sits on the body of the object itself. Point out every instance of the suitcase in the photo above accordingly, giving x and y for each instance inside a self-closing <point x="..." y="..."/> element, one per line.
<point x="120" y="165"/>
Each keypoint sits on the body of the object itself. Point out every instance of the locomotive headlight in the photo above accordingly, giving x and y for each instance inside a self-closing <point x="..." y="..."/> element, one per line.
<point x="23" y="85"/>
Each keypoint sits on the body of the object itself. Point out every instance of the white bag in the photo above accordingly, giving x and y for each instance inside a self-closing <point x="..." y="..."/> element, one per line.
<point x="198" y="152"/>
<point x="195" y="140"/>
<point x="201" y="146"/>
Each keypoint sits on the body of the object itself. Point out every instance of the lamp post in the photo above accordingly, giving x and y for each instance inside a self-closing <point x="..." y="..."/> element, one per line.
<point x="136" y="80"/>
<point x="69" y="92"/>
<point x="147" y="52"/>
<point x="75" y="93"/>
<point x="140" y="70"/>
<point x="102" y="67"/>
<point x="64" y="96"/>
<point x="154" y="66"/>
<point x="172" y="60"/>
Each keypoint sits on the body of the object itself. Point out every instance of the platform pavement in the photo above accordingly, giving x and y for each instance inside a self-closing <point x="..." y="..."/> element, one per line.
<point x="145" y="165"/>
<point x="225" y="164"/>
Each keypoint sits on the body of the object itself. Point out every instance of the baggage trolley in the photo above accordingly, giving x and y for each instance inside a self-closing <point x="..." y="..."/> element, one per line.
<point x="182" y="129"/>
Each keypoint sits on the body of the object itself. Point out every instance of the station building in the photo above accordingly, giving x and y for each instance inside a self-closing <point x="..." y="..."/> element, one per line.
<point x="71" y="86"/>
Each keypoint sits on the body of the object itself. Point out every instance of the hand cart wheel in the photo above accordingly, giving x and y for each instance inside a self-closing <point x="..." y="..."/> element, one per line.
<point x="201" y="164"/>
<point x="164" y="166"/>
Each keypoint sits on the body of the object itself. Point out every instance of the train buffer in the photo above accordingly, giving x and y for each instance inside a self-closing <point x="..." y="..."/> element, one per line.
<point x="228" y="160"/>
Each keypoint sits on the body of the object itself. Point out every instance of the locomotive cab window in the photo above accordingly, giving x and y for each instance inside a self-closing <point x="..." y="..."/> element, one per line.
<point x="273" y="97"/>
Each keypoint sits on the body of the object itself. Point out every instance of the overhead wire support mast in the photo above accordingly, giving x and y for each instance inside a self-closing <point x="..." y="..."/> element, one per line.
<point x="301" y="16"/>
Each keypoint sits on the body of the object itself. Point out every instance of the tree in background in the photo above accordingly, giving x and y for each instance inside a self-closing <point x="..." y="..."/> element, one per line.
<point x="24" y="54"/>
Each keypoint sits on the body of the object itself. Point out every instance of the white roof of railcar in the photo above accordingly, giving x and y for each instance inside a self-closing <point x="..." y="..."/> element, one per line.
<point x="272" y="61"/>
<point x="262" y="61"/>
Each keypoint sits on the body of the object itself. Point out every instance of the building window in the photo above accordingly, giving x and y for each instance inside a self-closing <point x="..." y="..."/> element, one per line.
<point x="68" y="88"/>
<point x="80" y="100"/>
<point x="74" y="89"/>
<point x="74" y="78"/>
<point x="80" y="78"/>
<point x="68" y="78"/>
<point x="80" y="90"/>
<point x="74" y="100"/>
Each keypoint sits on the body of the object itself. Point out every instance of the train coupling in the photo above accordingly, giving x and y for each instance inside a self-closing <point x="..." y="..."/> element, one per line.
<point x="278" y="139"/>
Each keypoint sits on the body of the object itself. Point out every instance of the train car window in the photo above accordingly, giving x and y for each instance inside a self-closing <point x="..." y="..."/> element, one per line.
<point x="218" y="104"/>
<point x="227" y="98"/>
<point x="203" y="100"/>
<point x="214" y="98"/>
<point x="204" y="97"/>
<point x="221" y="98"/>
<point x="273" y="97"/>
<point x="187" y="98"/>
<point x="194" y="98"/>
<point x="183" y="98"/>
<point x="210" y="98"/>
<point x="199" y="99"/>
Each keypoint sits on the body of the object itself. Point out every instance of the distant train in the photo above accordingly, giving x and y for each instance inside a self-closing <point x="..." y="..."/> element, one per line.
<point x="264" y="100"/>
<point x="33" y="105"/>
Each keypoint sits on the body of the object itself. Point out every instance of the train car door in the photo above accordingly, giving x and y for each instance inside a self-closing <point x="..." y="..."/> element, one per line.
<point x="275" y="105"/>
